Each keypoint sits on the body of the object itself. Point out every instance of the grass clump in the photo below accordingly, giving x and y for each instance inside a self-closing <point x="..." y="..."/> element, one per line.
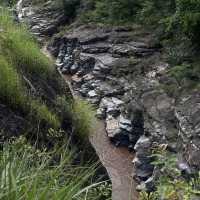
<point x="9" y="3"/>
<point x="29" y="173"/>
<point x="44" y="115"/>
<point x="11" y="89"/>
<point x="84" y="118"/>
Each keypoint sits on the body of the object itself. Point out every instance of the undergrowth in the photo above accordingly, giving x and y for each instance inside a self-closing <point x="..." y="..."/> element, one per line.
<point x="170" y="182"/>
<point x="30" y="173"/>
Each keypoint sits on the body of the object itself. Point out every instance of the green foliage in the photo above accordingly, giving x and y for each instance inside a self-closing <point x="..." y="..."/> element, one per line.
<point x="170" y="185"/>
<point x="20" y="55"/>
<point x="101" y="191"/>
<point x="84" y="118"/>
<point x="29" y="173"/>
<point x="43" y="115"/>
<point x="70" y="7"/>
<point x="8" y="2"/>
<point x="187" y="18"/>
<point x="154" y="12"/>
<point x="11" y="89"/>
<point x="187" y="75"/>
<point x="13" y="93"/>
<point x="20" y="49"/>
<point x="112" y="11"/>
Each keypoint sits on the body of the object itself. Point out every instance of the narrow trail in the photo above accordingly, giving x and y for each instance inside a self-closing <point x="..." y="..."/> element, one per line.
<point x="116" y="160"/>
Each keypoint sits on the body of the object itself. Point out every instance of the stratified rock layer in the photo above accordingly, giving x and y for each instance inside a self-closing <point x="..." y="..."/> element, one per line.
<point x="123" y="77"/>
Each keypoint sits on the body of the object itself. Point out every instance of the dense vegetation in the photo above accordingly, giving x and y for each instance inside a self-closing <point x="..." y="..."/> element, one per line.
<point x="29" y="173"/>
<point x="171" y="184"/>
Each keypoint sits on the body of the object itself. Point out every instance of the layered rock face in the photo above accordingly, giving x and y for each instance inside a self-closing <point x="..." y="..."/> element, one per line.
<point x="42" y="18"/>
<point x="122" y="74"/>
<point x="123" y="77"/>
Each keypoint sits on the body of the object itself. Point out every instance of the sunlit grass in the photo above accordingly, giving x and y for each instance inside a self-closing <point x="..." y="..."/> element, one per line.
<point x="20" y="49"/>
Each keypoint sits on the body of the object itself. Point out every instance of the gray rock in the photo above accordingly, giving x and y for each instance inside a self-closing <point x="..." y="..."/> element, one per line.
<point x="144" y="143"/>
<point x="101" y="113"/>
<point x="92" y="94"/>
<point x="112" y="126"/>
<point x="184" y="168"/>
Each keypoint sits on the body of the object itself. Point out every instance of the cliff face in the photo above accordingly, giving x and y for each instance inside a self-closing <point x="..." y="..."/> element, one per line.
<point x="121" y="72"/>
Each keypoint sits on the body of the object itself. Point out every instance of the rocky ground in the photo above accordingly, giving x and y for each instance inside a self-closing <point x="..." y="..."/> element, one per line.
<point x="121" y="72"/>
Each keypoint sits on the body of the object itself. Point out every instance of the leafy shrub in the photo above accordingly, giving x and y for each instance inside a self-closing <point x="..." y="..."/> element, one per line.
<point x="154" y="12"/>
<point x="187" y="18"/>
<point x="70" y="7"/>
<point x="112" y="11"/>
<point x="170" y="185"/>
<point x="187" y="75"/>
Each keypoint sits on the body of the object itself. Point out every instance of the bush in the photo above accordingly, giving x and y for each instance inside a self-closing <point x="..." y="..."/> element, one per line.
<point x="187" y="18"/>
<point x="170" y="185"/>
<point x="70" y="7"/>
<point x="153" y="12"/>
<point x="112" y="12"/>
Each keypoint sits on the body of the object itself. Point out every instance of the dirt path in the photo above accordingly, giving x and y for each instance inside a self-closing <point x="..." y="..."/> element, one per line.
<point x="117" y="161"/>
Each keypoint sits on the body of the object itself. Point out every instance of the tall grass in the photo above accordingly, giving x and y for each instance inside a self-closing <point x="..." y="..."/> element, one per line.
<point x="20" y="49"/>
<point x="13" y="93"/>
<point x="84" y="118"/>
<point x="11" y="89"/>
<point x="28" y="173"/>
<point x="43" y="114"/>
<point x="19" y="55"/>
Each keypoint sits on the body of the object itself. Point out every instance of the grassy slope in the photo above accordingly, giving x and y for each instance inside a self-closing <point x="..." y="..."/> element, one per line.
<point x="31" y="88"/>
<point x="29" y="84"/>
